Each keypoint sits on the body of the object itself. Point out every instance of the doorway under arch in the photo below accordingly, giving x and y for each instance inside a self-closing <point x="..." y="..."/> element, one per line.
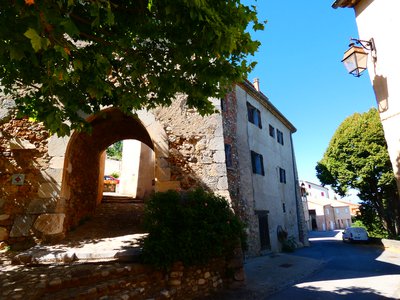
<point x="82" y="185"/>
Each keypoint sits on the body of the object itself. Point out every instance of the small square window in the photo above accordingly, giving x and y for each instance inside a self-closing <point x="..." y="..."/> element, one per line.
<point x="322" y="194"/>
<point x="257" y="163"/>
<point x="271" y="131"/>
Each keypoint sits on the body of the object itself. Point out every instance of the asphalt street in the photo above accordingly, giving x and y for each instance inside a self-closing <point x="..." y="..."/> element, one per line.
<point x="350" y="271"/>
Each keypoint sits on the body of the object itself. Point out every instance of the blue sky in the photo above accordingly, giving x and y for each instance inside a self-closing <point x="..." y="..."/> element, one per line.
<point x="300" y="72"/>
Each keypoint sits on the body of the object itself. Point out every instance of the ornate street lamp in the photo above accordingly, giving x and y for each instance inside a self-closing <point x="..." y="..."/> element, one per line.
<point x="356" y="57"/>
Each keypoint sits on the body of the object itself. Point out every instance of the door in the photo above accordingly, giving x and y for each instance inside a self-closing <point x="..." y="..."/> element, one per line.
<point x="264" y="232"/>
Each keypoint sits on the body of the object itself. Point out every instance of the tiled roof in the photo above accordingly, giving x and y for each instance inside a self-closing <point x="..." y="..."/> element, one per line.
<point x="325" y="201"/>
<point x="345" y="3"/>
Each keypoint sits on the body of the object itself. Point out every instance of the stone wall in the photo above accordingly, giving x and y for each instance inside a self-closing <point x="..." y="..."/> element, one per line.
<point x="58" y="178"/>
<point x="26" y="209"/>
<point x="120" y="281"/>
<point x="242" y="207"/>
<point x="196" y="147"/>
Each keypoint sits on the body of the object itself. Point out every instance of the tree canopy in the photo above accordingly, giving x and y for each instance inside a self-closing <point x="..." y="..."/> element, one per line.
<point x="62" y="60"/>
<point x="357" y="158"/>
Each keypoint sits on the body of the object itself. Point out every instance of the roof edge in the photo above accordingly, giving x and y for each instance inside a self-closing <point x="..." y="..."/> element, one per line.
<point x="246" y="84"/>
<point x="345" y="3"/>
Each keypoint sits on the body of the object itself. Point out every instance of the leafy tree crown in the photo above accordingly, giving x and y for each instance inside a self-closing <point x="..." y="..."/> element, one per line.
<point x="64" y="60"/>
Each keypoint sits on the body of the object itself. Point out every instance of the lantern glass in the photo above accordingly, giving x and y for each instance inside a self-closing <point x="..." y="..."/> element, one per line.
<point x="355" y="60"/>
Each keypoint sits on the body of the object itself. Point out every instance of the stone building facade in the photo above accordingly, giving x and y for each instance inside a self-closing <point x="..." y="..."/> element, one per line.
<point x="48" y="185"/>
<point x="261" y="168"/>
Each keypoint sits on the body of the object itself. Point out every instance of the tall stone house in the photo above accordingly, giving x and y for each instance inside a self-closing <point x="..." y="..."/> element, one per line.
<point x="261" y="167"/>
<point x="379" y="20"/>
<point x="244" y="152"/>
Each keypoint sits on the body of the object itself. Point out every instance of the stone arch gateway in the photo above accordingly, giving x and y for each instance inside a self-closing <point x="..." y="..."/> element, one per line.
<point x="61" y="176"/>
<point x="82" y="176"/>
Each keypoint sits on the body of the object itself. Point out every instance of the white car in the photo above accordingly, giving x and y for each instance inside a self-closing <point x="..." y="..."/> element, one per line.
<point x="354" y="234"/>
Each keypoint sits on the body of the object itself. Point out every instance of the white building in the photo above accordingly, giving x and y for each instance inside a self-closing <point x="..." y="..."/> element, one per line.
<point x="379" y="20"/>
<point x="324" y="211"/>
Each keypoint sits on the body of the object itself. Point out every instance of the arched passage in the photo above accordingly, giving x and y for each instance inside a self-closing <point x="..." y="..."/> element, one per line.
<point x="82" y="166"/>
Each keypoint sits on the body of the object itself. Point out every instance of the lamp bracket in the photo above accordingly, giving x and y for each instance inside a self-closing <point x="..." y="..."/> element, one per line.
<point x="367" y="45"/>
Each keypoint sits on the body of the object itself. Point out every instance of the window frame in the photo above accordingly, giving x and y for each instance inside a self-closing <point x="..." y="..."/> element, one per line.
<point x="271" y="131"/>
<point x="254" y="115"/>
<point x="228" y="155"/>
<point x="279" y="137"/>
<point x="282" y="175"/>
<point x="257" y="157"/>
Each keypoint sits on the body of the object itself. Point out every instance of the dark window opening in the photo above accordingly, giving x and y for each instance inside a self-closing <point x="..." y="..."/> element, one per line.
<point x="279" y="136"/>
<point x="228" y="155"/>
<point x="271" y="131"/>
<point x="282" y="175"/>
<point x="257" y="163"/>
<point x="254" y="115"/>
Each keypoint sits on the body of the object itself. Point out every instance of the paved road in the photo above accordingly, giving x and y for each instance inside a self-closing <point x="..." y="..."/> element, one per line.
<point x="351" y="271"/>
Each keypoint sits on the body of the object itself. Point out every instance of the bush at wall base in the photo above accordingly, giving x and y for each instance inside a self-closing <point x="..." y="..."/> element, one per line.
<point x="191" y="227"/>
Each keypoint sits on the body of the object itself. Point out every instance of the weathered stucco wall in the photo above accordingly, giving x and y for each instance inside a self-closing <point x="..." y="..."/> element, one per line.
<point x="379" y="19"/>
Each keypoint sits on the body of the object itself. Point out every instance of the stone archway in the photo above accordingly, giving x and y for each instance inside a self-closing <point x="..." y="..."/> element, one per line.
<point x="82" y="174"/>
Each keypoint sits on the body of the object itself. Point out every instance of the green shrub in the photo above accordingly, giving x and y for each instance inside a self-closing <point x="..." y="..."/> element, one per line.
<point x="374" y="230"/>
<point x="192" y="228"/>
<point x="289" y="244"/>
<point x="115" y="174"/>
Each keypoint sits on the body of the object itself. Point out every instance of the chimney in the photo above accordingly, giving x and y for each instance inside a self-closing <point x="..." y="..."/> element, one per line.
<point x="256" y="84"/>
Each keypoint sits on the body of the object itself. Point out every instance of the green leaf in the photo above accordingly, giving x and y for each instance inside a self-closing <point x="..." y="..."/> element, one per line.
<point x="16" y="54"/>
<point x="150" y="5"/>
<point x="70" y="27"/>
<point x="78" y="65"/>
<point x="36" y="40"/>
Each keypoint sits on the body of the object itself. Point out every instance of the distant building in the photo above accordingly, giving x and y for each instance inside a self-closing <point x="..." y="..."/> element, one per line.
<point x="354" y="208"/>
<point x="324" y="212"/>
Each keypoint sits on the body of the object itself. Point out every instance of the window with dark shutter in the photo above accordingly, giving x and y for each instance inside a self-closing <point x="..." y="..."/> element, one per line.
<point x="254" y="115"/>
<point x="271" y="131"/>
<point x="279" y="136"/>
<point x="228" y="155"/>
<point x="257" y="163"/>
<point x="282" y="175"/>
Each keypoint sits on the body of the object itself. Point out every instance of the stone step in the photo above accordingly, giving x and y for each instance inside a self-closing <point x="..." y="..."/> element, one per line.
<point x="108" y="283"/>
<point x="120" y="199"/>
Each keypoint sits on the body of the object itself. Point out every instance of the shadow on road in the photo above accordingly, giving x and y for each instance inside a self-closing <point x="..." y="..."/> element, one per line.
<point x="351" y="270"/>
<point x="340" y="293"/>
